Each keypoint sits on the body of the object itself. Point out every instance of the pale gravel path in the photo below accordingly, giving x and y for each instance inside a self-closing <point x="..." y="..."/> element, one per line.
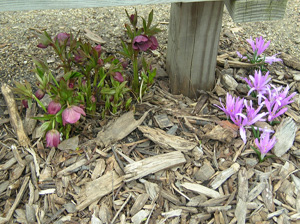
<point x="17" y="42"/>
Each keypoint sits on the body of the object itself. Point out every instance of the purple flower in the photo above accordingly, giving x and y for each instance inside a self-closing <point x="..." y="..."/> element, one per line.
<point x="272" y="59"/>
<point x="241" y="121"/>
<point x="253" y="114"/>
<point x="62" y="37"/>
<point x="276" y="101"/>
<point x="39" y="94"/>
<point x="259" y="83"/>
<point x="52" y="138"/>
<point x="98" y="48"/>
<point x="54" y="107"/>
<point x="72" y="114"/>
<point x="265" y="144"/>
<point x="240" y="55"/>
<point x="100" y="62"/>
<point x="78" y="58"/>
<point x="154" y="45"/>
<point x="259" y="46"/>
<point x="233" y="106"/>
<point x="118" y="77"/>
<point x="142" y="43"/>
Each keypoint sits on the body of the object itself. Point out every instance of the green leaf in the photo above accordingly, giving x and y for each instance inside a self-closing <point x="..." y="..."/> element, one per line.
<point x="45" y="126"/>
<point x="150" y="19"/>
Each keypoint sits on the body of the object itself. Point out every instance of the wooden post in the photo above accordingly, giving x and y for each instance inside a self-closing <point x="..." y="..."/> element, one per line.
<point x="194" y="33"/>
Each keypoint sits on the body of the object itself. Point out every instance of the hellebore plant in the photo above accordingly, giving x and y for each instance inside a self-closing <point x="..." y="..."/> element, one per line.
<point x="89" y="81"/>
<point x="258" y="47"/>
<point x="141" y="40"/>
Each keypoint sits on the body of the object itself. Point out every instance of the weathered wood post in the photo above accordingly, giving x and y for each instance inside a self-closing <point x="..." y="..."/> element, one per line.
<point x="194" y="33"/>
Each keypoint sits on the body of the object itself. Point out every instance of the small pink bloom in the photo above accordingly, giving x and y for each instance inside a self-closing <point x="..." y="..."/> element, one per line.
<point x="98" y="48"/>
<point x="141" y="42"/>
<point x="118" y="77"/>
<point x="62" y="37"/>
<point x="54" y="107"/>
<point x="39" y="94"/>
<point x="72" y="114"/>
<point x="52" y="138"/>
<point x="78" y="58"/>
<point x="93" y="98"/>
<point x="154" y="43"/>
<point x="100" y="62"/>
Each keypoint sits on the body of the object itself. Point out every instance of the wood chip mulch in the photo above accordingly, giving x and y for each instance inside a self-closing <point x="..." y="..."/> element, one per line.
<point x="173" y="160"/>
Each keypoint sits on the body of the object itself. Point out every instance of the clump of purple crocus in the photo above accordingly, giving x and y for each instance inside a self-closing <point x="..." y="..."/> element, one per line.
<point x="258" y="47"/>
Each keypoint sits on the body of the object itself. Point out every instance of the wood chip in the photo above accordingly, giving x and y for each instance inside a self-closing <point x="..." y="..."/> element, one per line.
<point x="153" y="164"/>
<point x="224" y="175"/>
<point x="167" y="141"/>
<point x="201" y="189"/>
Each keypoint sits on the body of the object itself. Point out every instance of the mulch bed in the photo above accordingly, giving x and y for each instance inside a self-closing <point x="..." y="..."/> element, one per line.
<point x="173" y="160"/>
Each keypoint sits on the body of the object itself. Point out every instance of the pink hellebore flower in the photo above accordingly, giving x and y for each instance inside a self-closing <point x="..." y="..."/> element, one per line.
<point x="154" y="43"/>
<point x="259" y="46"/>
<point x="62" y="37"/>
<point x="54" y="107"/>
<point x="52" y="138"/>
<point x="265" y="144"/>
<point x="142" y="43"/>
<point x="72" y="114"/>
<point x="118" y="77"/>
<point x="39" y="94"/>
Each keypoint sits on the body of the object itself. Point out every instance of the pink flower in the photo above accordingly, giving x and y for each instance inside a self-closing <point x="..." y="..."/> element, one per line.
<point x="272" y="59"/>
<point x="98" y="48"/>
<point x="43" y="46"/>
<point x="154" y="43"/>
<point x="62" y="37"/>
<point x="118" y="77"/>
<point x="142" y="43"/>
<point x="39" y="94"/>
<point x="72" y="114"/>
<point x="100" y="62"/>
<point x="52" y="138"/>
<point x="54" y="107"/>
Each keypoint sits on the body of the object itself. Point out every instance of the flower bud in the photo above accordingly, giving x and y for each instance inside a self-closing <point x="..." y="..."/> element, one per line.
<point x="98" y="48"/>
<point x="25" y="103"/>
<point x="61" y="37"/>
<point x="54" y="107"/>
<point x="100" y="62"/>
<point x="118" y="77"/>
<point x="39" y="94"/>
<point x="43" y="46"/>
<point x="52" y="138"/>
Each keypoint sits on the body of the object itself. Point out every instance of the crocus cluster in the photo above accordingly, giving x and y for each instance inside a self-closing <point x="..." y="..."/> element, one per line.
<point x="143" y="43"/>
<point x="258" y="47"/>
<point x="265" y="144"/>
<point x="234" y="111"/>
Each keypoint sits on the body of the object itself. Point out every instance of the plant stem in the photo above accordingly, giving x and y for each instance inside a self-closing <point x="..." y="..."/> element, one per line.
<point x="135" y="84"/>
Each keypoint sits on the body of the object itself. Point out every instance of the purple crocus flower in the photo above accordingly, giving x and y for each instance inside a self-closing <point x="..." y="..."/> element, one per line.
<point x="52" y="138"/>
<point x="142" y="43"/>
<point x="240" y="55"/>
<point x="272" y="59"/>
<point x="233" y="105"/>
<point x="253" y="114"/>
<point x="265" y="144"/>
<point x="259" y="46"/>
<point x="282" y="99"/>
<point x="241" y="121"/>
<point x="72" y="114"/>
<point x="258" y="83"/>
<point x="54" y="107"/>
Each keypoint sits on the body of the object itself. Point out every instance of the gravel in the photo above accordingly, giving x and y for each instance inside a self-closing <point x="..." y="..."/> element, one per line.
<point x="18" y="42"/>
